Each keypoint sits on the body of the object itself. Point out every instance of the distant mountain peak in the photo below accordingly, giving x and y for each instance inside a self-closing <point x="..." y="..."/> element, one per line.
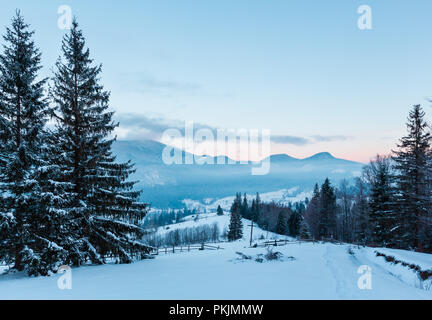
<point x="321" y="156"/>
<point x="281" y="157"/>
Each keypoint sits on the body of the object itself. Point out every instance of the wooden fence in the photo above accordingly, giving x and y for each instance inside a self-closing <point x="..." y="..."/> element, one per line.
<point x="185" y="248"/>
<point x="283" y="242"/>
<point x="286" y="241"/>
<point x="275" y="243"/>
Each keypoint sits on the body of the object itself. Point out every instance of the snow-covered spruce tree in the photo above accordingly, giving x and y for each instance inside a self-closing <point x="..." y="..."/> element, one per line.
<point x="281" y="224"/>
<point x="219" y="211"/>
<point x="383" y="224"/>
<point x="312" y="214"/>
<point x="235" y="230"/>
<point x="345" y="225"/>
<point x="104" y="209"/>
<point x="304" y="233"/>
<point x="413" y="195"/>
<point x="26" y="222"/>
<point x="294" y="221"/>
<point x="361" y="211"/>
<point x="244" y="209"/>
<point x="255" y="210"/>
<point x="327" y="222"/>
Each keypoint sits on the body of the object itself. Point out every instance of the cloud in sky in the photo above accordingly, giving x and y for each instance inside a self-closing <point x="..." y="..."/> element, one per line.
<point x="320" y="138"/>
<point x="144" y="81"/>
<point x="283" y="139"/>
<point x="140" y="127"/>
<point x="151" y="82"/>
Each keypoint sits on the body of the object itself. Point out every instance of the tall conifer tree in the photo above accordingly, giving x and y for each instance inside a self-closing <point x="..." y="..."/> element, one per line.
<point x="281" y="224"/>
<point x="361" y="211"/>
<point x="327" y="224"/>
<point x="235" y="230"/>
<point x="413" y="196"/>
<point x="104" y="208"/>
<point x="27" y="210"/>
<point x="382" y="218"/>
<point x="312" y="214"/>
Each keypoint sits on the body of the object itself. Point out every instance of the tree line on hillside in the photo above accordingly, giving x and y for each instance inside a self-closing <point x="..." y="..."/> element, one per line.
<point x="274" y="217"/>
<point x="65" y="199"/>
<point x="389" y="205"/>
<point x="166" y="217"/>
<point x="186" y="236"/>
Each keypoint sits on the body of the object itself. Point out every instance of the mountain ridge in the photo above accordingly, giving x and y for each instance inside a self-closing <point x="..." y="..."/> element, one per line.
<point x="166" y="186"/>
<point x="159" y="146"/>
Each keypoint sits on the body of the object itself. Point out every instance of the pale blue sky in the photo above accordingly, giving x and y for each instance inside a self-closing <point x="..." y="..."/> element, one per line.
<point x="298" y="67"/>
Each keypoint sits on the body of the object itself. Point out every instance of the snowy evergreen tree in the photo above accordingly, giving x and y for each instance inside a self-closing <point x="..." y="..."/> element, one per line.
<point x="304" y="233"/>
<point x="255" y="210"/>
<point x="235" y="230"/>
<point x="28" y="213"/>
<point x="327" y="222"/>
<point x="281" y="225"/>
<point x="382" y="219"/>
<point x="345" y="219"/>
<point x="219" y="211"/>
<point x="244" y="209"/>
<point x="312" y="214"/>
<point x="361" y="211"/>
<point x="294" y="222"/>
<point x="413" y="196"/>
<point x="104" y="209"/>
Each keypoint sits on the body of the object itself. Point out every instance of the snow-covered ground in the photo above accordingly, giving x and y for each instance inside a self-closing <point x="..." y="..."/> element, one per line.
<point x="306" y="271"/>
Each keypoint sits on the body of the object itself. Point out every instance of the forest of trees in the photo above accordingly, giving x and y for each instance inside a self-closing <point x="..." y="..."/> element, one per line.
<point x="274" y="217"/>
<point x="186" y="236"/>
<point x="389" y="205"/>
<point x="65" y="200"/>
<point x="166" y="217"/>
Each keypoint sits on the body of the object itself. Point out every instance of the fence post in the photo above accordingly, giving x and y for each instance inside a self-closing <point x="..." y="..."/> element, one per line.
<point x="173" y="249"/>
<point x="166" y="250"/>
<point x="188" y="247"/>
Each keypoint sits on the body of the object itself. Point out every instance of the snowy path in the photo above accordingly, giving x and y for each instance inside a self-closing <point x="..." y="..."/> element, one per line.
<point x="385" y="285"/>
<point x="319" y="271"/>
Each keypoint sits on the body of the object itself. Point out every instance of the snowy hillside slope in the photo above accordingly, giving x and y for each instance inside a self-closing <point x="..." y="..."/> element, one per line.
<point x="304" y="271"/>
<point x="223" y="223"/>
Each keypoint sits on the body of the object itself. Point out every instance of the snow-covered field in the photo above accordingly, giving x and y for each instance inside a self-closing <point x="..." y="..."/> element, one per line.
<point x="305" y="271"/>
